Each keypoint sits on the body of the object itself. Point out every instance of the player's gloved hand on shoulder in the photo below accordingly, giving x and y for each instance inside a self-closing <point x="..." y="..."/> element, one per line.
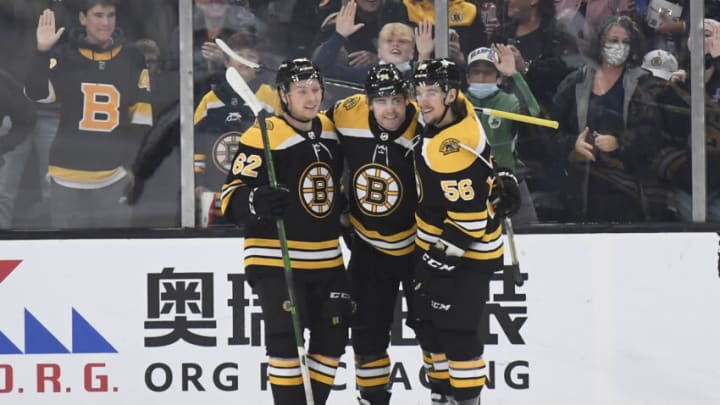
<point x="269" y="203"/>
<point x="436" y="260"/>
<point x="505" y="196"/>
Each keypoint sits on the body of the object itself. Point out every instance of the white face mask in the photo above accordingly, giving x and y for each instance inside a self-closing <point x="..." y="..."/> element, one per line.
<point x="616" y="54"/>
<point x="482" y="90"/>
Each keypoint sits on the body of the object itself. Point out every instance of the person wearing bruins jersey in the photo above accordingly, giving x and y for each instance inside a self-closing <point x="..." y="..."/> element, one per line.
<point x="376" y="132"/>
<point x="220" y="119"/>
<point x="103" y="88"/>
<point x="308" y="163"/>
<point x="459" y="234"/>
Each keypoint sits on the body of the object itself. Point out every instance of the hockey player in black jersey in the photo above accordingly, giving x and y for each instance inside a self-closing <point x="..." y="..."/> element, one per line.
<point x="376" y="132"/>
<point x="459" y="234"/>
<point x="308" y="164"/>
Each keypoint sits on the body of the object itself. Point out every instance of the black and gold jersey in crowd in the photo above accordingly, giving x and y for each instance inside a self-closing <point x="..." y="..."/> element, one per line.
<point x="105" y="106"/>
<point x="381" y="180"/>
<point x="309" y="164"/>
<point x="454" y="182"/>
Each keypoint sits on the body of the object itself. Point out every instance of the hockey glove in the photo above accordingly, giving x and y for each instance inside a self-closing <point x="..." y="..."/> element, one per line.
<point x="437" y="261"/>
<point x="505" y="196"/>
<point x="269" y="203"/>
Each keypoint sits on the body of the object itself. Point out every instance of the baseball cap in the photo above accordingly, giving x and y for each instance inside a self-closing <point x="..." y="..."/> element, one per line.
<point x="660" y="63"/>
<point x="482" y="54"/>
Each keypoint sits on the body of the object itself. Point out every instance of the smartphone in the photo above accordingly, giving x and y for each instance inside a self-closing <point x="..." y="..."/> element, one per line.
<point x="488" y="12"/>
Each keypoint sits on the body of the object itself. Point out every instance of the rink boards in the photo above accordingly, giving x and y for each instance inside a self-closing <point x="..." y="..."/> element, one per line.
<point x="601" y="319"/>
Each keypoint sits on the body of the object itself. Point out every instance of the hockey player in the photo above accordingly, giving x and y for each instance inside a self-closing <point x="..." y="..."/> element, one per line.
<point x="104" y="90"/>
<point x="376" y="132"/>
<point x="459" y="236"/>
<point x="308" y="163"/>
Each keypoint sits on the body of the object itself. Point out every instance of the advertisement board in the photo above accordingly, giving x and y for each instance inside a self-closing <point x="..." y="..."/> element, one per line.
<point x="601" y="319"/>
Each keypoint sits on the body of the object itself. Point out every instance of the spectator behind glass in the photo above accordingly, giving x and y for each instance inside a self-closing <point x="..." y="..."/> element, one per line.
<point x="463" y="17"/>
<point x="611" y="130"/>
<point x="17" y="121"/>
<point x="543" y="53"/>
<point x="362" y="45"/>
<point x="486" y="68"/>
<point x="665" y="28"/>
<point x="220" y="119"/>
<point x="103" y="88"/>
<point x="216" y="19"/>
<point x="673" y="164"/>
<point x="585" y="16"/>
<point x="396" y="45"/>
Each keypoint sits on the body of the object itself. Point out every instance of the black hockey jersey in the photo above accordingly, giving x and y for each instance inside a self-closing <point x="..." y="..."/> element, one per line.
<point x="382" y="194"/>
<point x="309" y="164"/>
<point x="454" y="182"/>
<point x="105" y="105"/>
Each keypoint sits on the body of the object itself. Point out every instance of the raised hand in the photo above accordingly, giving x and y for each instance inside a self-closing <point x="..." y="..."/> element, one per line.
<point x="345" y="21"/>
<point x="424" y="42"/>
<point x="46" y="35"/>
<point x="506" y="60"/>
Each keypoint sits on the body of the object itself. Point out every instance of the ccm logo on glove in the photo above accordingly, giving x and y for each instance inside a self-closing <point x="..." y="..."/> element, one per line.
<point x="437" y="264"/>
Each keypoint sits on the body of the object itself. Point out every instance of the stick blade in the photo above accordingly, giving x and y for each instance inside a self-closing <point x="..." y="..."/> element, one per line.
<point x="229" y="52"/>
<point x="241" y="88"/>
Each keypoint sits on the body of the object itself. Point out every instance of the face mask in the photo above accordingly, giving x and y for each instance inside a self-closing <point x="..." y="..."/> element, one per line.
<point x="616" y="54"/>
<point x="482" y="90"/>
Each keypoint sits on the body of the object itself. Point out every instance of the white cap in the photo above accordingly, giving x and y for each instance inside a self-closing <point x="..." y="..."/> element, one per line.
<point x="482" y="55"/>
<point x="660" y="63"/>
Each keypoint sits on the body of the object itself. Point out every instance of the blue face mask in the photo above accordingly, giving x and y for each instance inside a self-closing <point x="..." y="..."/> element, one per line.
<point x="482" y="90"/>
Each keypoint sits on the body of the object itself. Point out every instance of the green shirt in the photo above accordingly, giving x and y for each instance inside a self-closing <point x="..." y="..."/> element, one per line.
<point x="500" y="132"/>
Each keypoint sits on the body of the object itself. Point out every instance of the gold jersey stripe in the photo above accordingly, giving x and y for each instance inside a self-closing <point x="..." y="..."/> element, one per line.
<point x="325" y="379"/>
<point x="300" y="265"/>
<point x="285" y="381"/>
<point x="467" y="383"/>
<point x="292" y="244"/>
<point x="372" y="382"/>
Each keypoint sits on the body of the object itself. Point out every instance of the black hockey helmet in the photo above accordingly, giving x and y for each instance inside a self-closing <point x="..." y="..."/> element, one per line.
<point x="296" y="70"/>
<point x="441" y="72"/>
<point x="385" y="80"/>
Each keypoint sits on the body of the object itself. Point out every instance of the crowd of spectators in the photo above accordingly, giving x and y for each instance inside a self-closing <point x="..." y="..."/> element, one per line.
<point x="612" y="72"/>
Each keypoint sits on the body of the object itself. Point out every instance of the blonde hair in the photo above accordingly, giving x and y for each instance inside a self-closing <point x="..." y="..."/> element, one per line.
<point x="396" y="30"/>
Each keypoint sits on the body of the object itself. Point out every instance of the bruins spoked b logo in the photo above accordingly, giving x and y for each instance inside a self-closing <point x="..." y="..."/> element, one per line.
<point x="224" y="150"/>
<point x="317" y="189"/>
<point x="378" y="190"/>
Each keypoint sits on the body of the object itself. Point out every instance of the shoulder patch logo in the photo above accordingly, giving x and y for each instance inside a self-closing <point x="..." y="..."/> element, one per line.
<point x="268" y="123"/>
<point x="351" y="102"/>
<point x="450" y="145"/>
<point x="494" y="122"/>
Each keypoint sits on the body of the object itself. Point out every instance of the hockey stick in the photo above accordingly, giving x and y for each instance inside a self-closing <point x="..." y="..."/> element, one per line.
<point x="240" y="87"/>
<point x="233" y="55"/>
<point x="519" y="117"/>
<point x="507" y="222"/>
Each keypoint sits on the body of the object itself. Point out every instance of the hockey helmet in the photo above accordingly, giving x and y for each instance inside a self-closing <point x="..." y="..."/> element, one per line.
<point x="296" y="70"/>
<point x="442" y="72"/>
<point x="385" y="80"/>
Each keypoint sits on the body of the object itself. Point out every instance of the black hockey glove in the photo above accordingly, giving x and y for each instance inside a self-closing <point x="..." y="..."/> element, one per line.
<point x="505" y="196"/>
<point x="269" y="203"/>
<point x="436" y="261"/>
